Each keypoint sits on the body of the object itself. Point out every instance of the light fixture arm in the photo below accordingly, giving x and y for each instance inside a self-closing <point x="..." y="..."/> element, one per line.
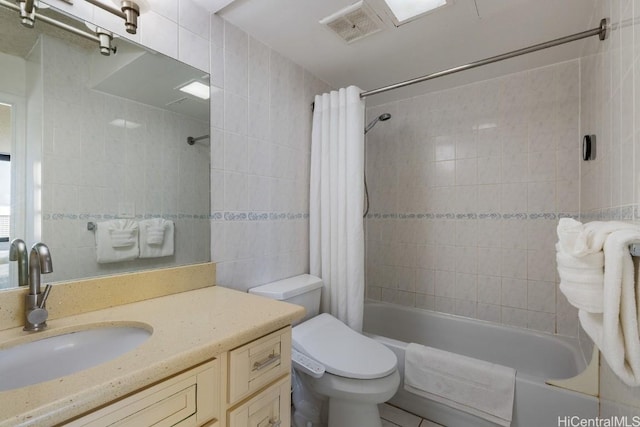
<point x="129" y="11"/>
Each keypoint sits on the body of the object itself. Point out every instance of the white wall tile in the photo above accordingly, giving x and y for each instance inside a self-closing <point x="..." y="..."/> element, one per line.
<point x="193" y="17"/>
<point x="160" y="33"/>
<point x="236" y="60"/>
<point x="193" y="50"/>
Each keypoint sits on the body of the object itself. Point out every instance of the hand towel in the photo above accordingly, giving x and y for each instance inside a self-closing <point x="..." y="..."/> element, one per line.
<point x="116" y="241"/>
<point x="483" y="389"/>
<point x="156" y="238"/>
<point x="615" y="331"/>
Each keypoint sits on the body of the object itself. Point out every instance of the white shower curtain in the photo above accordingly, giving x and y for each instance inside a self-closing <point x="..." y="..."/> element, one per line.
<point x="336" y="234"/>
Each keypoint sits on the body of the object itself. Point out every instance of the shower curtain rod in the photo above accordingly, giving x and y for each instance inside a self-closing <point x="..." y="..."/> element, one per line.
<point x="601" y="32"/>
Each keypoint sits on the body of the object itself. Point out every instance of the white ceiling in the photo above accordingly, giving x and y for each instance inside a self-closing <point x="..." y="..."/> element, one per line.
<point x="463" y="32"/>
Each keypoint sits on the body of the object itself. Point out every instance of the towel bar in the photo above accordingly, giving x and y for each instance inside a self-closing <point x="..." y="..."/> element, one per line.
<point x="634" y="248"/>
<point x="92" y="226"/>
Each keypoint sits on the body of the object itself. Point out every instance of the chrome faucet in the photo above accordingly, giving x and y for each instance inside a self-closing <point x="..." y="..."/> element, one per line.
<point x="18" y="252"/>
<point x="35" y="312"/>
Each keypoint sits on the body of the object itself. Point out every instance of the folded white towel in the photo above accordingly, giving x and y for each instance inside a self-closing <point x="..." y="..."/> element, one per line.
<point x="116" y="241"/>
<point x="156" y="238"/>
<point x="568" y="232"/>
<point x="477" y="387"/>
<point x="123" y="238"/>
<point x="591" y="239"/>
<point x="582" y="279"/>
<point x="615" y="331"/>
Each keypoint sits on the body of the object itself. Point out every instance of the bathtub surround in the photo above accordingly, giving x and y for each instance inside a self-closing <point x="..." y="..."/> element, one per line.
<point x="466" y="186"/>
<point x="609" y="108"/>
<point x="336" y="203"/>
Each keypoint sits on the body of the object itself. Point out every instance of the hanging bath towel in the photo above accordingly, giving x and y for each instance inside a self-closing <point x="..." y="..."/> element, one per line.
<point x="116" y="241"/>
<point x="156" y="238"/>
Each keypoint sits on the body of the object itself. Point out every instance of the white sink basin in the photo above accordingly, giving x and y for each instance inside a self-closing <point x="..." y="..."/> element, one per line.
<point x="57" y="356"/>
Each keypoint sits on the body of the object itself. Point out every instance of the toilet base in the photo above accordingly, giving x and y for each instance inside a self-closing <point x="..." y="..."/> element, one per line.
<point x="345" y="413"/>
<point x="354" y="402"/>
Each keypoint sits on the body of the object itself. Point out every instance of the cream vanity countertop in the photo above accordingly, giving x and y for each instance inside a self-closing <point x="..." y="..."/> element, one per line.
<point x="188" y="328"/>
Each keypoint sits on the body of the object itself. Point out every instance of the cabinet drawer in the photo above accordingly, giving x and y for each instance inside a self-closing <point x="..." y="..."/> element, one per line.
<point x="254" y="365"/>
<point x="166" y="412"/>
<point x="185" y="400"/>
<point x="270" y="408"/>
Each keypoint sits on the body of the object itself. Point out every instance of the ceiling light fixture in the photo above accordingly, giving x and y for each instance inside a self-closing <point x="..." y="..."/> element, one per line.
<point x="126" y="124"/>
<point x="196" y="88"/>
<point x="407" y="10"/>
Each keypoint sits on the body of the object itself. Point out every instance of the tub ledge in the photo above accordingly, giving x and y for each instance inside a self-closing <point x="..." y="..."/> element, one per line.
<point x="587" y="381"/>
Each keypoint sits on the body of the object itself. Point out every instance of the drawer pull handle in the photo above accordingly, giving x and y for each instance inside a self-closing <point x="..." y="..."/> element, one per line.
<point x="275" y="423"/>
<point x="271" y="359"/>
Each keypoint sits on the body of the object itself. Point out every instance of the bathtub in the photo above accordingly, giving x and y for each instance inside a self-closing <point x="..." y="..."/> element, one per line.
<point x="535" y="356"/>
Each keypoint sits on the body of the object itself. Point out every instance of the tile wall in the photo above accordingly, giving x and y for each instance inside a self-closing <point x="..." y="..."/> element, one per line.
<point x="466" y="186"/>
<point x="610" y="109"/>
<point x="260" y="152"/>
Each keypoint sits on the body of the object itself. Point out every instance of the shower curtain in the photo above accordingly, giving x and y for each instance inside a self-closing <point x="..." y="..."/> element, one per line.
<point x="336" y="234"/>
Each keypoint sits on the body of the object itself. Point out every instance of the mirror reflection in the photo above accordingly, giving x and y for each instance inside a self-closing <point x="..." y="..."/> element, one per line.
<point x="92" y="138"/>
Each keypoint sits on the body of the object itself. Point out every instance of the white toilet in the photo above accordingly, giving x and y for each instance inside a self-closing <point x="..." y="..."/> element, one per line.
<point x="359" y="373"/>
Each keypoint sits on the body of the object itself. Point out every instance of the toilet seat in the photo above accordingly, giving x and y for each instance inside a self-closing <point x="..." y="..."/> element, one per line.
<point x="341" y="350"/>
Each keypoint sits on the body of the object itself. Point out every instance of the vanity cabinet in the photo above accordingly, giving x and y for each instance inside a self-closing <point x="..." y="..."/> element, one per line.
<point x="249" y="386"/>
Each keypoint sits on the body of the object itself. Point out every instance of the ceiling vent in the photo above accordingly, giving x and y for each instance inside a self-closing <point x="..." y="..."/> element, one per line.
<point x="354" y="22"/>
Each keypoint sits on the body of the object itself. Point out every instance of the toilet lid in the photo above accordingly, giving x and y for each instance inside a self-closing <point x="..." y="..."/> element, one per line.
<point x="341" y="350"/>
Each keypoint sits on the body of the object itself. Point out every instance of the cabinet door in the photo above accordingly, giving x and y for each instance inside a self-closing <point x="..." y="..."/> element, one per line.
<point x="270" y="408"/>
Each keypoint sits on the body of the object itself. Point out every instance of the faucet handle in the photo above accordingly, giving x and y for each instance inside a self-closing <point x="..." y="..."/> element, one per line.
<point x="45" y="295"/>
<point x="38" y="316"/>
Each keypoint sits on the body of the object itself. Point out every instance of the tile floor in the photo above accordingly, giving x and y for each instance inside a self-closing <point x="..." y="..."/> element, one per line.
<point x="396" y="417"/>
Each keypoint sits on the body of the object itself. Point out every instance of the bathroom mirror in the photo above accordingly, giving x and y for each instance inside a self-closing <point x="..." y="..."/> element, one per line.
<point x="88" y="138"/>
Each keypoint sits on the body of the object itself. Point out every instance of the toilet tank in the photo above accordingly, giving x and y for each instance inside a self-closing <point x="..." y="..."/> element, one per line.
<point x="304" y="290"/>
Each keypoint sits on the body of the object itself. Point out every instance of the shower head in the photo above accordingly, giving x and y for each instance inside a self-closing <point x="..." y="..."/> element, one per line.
<point x="382" y="117"/>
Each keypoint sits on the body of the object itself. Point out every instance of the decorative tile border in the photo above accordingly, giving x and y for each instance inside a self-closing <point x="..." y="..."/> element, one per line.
<point x="215" y="216"/>
<point x="258" y="216"/>
<point x="471" y="216"/>
<point x="93" y="216"/>
<point x="623" y="213"/>
<point x="620" y="213"/>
